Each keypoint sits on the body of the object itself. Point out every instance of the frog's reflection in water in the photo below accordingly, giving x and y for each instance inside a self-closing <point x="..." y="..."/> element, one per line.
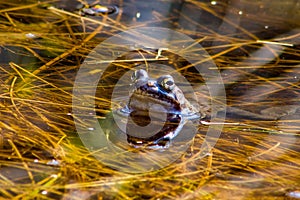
<point x="158" y="134"/>
<point x="135" y="149"/>
<point x="150" y="133"/>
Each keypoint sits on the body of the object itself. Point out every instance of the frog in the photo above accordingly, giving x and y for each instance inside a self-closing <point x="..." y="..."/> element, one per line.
<point x="169" y="108"/>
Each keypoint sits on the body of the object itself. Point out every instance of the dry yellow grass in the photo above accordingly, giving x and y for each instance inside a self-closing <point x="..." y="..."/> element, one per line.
<point x="260" y="159"/>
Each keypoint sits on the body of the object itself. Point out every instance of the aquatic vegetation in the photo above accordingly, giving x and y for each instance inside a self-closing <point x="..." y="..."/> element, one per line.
<point x="256" y="50"/>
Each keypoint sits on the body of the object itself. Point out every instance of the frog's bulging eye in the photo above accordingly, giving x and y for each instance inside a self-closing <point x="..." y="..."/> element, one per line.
<point x="167" y="82"/>
<point x="138" y="75"/>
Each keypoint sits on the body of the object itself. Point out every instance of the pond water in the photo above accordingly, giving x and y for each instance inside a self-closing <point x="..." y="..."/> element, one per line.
<point x="65" y="71"/>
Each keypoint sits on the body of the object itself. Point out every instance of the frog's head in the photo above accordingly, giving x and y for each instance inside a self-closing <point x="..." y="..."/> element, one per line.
<point x="158" y="95"/>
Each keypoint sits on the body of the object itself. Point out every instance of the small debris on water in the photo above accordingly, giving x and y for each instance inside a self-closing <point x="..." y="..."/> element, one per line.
<point x="213" y="2"/>
<point x="53" y="162"/>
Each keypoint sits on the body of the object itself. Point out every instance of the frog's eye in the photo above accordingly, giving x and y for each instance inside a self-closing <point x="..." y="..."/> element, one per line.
<point x="167" y="82"/>
<point x="138" y="75"/>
